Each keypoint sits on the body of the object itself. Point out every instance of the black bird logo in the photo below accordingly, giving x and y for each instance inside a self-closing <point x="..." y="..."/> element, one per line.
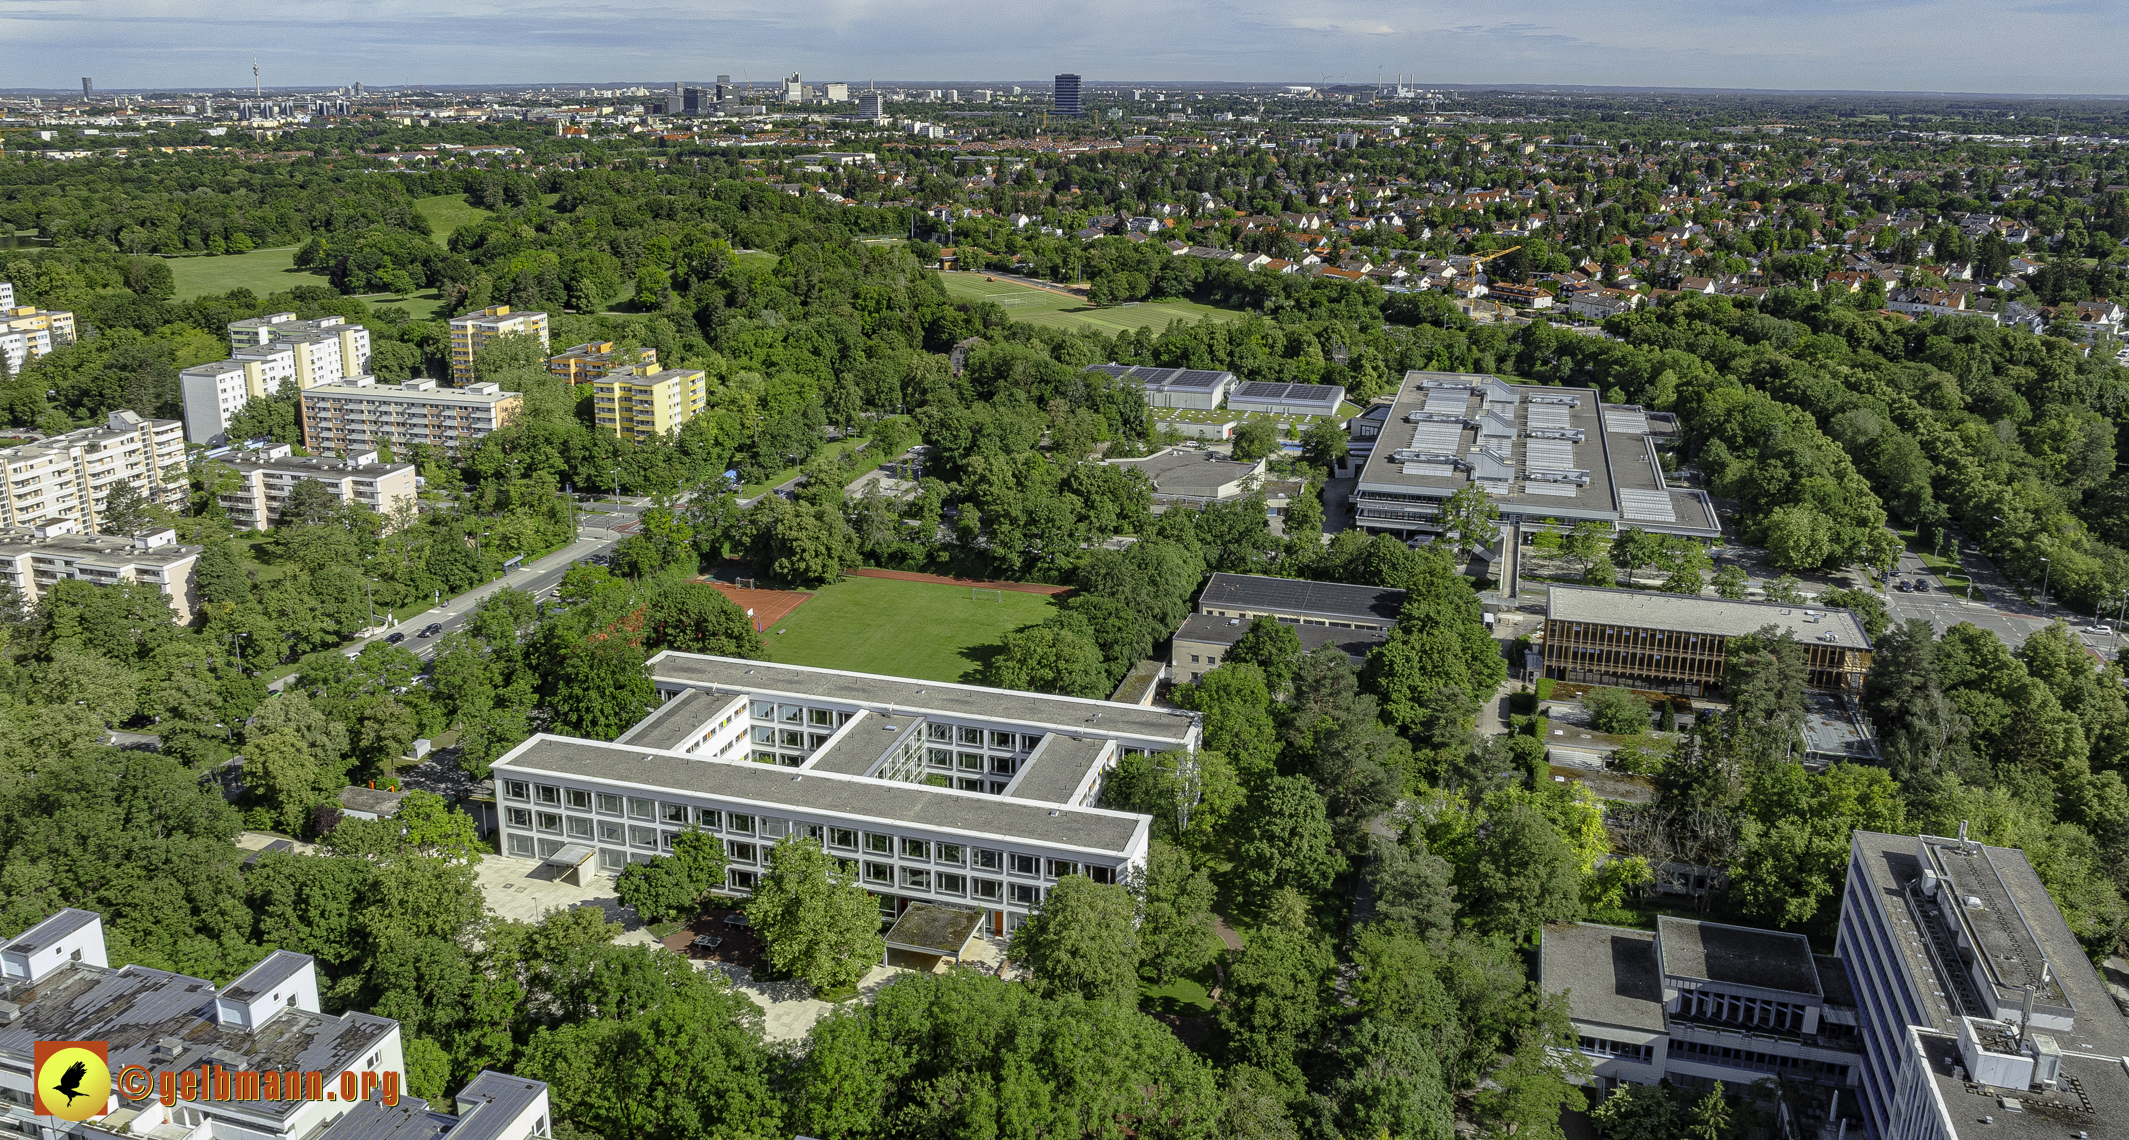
<point x="69" y="1084"/>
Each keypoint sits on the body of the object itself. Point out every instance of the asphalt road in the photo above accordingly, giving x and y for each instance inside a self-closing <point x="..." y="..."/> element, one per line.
<point x="1998" y="607"/>
<point x="597" y="534"/>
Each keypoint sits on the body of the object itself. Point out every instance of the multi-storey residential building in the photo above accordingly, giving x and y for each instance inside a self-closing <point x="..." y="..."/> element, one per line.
<point x="254" y="1036"/>
<point x="362" y="415"/>
<point x="584" y="363"/>
<point x="70" y="476"/>
<point x="32" y="558"/>
<point x="470" y="332"/>
<point x="1676" y="642"/>
<point x="266" y="476"/>
<point x="213" y="395"/>
<point x="16" y="349"/>
<point x="7" y="295"/>
<point x="354" y="340"/>
<point x="1699" y="1002"/>
<point x="944" y="793"/>
<point x="1981" y="1012"/>
<point x="57" y="325"/>
<point x="631" y="402"/>
<point x="492" y="1106"/>
<point x="1544" y="456"/>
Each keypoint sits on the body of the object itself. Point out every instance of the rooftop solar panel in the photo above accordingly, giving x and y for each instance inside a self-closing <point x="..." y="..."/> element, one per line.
<point x="1546" y="416"/>
<point x="1556" y="490"/>
<point x="1549" y="455"/>
<point x="1652" y="506"/>
<point x="1259" y="390"/>
<point x="1628" y="421"/>
<point x="1439" y="438"/>
<point x="1430" y="470"/>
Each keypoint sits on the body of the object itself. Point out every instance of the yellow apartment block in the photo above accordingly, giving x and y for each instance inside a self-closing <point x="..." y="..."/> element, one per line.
<point x="632" y="402"/>
<point x="1675" y="643"/>
<point x="57" y="325"/>
<point x="470" y="332"/>
<point x="584" y="363"/>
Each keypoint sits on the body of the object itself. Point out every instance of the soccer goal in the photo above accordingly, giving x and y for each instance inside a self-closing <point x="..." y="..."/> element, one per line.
<point x="986" y="594"/>
<point x="743" y="583"/>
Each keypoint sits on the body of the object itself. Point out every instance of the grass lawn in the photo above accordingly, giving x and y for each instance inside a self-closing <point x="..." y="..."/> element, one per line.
<point x="1043" y="307"/>
<point x="419" y="306"/>
<point x="1189" y="996"/>
<point x="448" y="213"/>
<point x="907" y="629"/>
<point x="262" y="271"/>
<point x="756" y="258"/>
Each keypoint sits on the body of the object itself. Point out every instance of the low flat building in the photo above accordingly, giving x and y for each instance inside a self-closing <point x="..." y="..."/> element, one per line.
<point x="1286" y="399"/>
<point x="266" y="476"/>
<point x="1675" y="643"/>
<point x="1546" y="457"/>
<point x="1204" y="640"/>
<point x="364" y="415"/>
<point x="634" y="403"/>
<point x="32" y="558"/>
<point x="1186" y="478"/>
<point x="70" y="476"/>
<point x="474" y="330"/>
<point x="56" y="984"/>
<point x="1693" y="1003"/>
<point x="935" y="792"/>
<point x="1297" y="601"/>
<point x="584" y="363"/>
<point x="1198" y="389"/>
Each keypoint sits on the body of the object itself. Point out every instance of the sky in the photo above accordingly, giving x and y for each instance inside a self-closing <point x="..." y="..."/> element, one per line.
<point x="2012" y="46"/>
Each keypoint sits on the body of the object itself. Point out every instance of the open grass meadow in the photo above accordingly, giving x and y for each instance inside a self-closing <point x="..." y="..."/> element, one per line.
<point x="262" y="271"/>
<point x="1056" y="310"/>
<point x="448" y="213"/>
<point x="908" y="629"/>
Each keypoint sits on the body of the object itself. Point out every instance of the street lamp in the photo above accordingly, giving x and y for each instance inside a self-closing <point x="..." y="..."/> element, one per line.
<point x="2044" y="585"/>
<point x="371" y="599"/>
<point x="616" y="473"/>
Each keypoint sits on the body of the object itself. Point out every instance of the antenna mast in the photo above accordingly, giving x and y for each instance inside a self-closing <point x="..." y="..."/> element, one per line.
<point x="257" y="92"/>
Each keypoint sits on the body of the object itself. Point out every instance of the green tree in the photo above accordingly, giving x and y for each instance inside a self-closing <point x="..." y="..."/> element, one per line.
<point x="1175" y="915"/>
<point x="816" y="921"/>
<point x="1390" y="1083"/>
<point x="1586" y="542"/>
<point x="1710" y="1118"/>
<point x="1729" y="582"/>
<point x="1471" y="517"/>
<point x="278" y="769"/>
<point x="1081" y="940"/>
<point x="1521" y="875"/>
<point x="1616" y="711"/>
<point x="1600" y="573"/>
<point x="1287" y="839"/>
<point x="1323" y="444"/>
<point x="601" y="689"/>
<point x="1270" y="645"/>
<point x="125" y="511"/>
<point x="1255" y="439"/>
<point x="1786" y="590"/>
<point x="1236" y="704"/>
<point x="1048" y="659"/>
<point x="667" y="887"/>
<point x="1274" y="1006"/>
<point x="1637" y="1112"/>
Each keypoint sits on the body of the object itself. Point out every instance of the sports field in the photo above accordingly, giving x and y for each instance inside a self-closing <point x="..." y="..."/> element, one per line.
<point x="906" y="629"/>
<point x="447" y="213"/>
<point x="1044" y="307"/>
<point x="262" y="271"/>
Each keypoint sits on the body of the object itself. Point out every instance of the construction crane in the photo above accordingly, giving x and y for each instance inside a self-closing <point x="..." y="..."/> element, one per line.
<point x="1494" y="254"/>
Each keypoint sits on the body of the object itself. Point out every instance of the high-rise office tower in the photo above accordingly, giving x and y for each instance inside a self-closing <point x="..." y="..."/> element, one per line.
<point x="88" y="87"/>
<point x="1064" y="95"/>
<point x="869" y="107"/>
<point x="724" y="88"/>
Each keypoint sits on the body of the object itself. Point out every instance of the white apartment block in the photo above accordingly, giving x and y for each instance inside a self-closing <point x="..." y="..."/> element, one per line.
<point x="70" y="476"/>
<point x="32" y="558"/>
<point x="17" y="347"/>
<point x="266" y="476"/>
<point x="362" y="414"/>
<point x="267" y="355"/>
<point x="947" y="794"/>
<point x="7" y="295"/>
<point x="354" y="340"/>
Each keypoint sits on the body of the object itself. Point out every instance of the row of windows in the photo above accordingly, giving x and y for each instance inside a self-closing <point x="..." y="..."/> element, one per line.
<point x="1714" y="1005"/>
<point x="1599" y="1047"/>
<point x="1755" y="1061"/>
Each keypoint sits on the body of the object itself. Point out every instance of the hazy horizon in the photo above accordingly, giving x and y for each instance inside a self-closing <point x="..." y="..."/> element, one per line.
<point x="2026" y="47"/>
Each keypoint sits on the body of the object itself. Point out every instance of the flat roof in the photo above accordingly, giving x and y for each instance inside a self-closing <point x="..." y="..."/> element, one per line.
<point x="1189" y="473"/>
<point x="1058" y="767"/>
<point x="135" y="1007"/>
<point x="1736" y="955"/>
<point x="859" y="744"/>
<point x="1686" y="613"/>
<point x="1169" y="379"/>
<point x="2093" y="1095"/>
<point x="1211" y="629"/>
<point x="501" y="1099"/>
<point x="1833" y="978"/>
<point x="271" y="971"/>
<point x="393" y="392"/>
<point x="1609" y="974"/>
<point x="1300" y="596"/>
<point x="1448" y="405"/>
<point x="829" y="794"/>
<point x="943" y="699"/>
<point x="931" y="928"/>
<point x="51" y="930"/>
<point x="676" y="720"/>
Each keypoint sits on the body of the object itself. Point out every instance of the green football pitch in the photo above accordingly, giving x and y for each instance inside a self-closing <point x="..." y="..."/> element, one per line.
<point x="1044" y="307"/>
<point x="903" y="629"/>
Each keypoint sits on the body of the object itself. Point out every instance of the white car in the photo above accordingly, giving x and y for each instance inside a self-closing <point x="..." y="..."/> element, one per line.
<point x="2100" y="629"/>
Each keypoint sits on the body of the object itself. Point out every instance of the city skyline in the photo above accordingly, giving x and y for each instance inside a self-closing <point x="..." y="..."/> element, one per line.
<point x="1814" y="46"/>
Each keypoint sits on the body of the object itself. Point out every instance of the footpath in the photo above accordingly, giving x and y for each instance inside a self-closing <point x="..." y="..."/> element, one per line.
<point x="943" y="580"/>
